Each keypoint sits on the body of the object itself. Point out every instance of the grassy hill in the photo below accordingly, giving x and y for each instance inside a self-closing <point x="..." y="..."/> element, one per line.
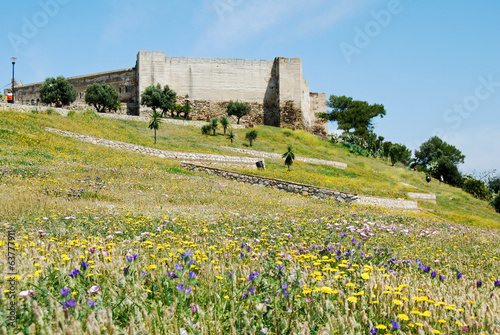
<point x="25" y="142"/>
<point x="102" y="241"/>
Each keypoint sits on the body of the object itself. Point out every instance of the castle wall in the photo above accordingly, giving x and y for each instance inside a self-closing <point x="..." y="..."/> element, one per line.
<point x="124" y="81"/>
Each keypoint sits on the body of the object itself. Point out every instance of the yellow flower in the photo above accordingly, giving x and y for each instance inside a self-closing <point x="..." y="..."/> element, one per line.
<point x="352" y="299"/>
<point x="328" y="290"/>
<point x="381" y="327"/>
<point x="218" y="277"/>
<point x="419" y="324"/>
<point x="403" y="317"/>
<point x="398" y="302"/>
<point x="365" y="276"/>
<point x="435" y="331"/>
<point x="426" y="313"/>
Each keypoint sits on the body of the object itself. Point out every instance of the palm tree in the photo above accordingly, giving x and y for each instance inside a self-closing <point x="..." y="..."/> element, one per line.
<point x="224" y="122"/>
<point x="230" y="135"/>
<point x="154" y="122"/>
<point x="289" y="156"/>
<point x="206" y="129"/>
<point x="251" y="135"/>
<point x="214" y="124"/>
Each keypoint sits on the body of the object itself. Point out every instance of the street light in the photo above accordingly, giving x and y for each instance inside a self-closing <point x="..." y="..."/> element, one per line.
<point x="13" y="59"/>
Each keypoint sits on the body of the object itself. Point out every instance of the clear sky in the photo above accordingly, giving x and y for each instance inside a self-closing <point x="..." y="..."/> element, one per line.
<point x="434" y="65"/>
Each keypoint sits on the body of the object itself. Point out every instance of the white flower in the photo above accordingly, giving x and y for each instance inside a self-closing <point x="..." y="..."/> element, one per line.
<point x="94" y="289"/>
<point x="26" y="293"/>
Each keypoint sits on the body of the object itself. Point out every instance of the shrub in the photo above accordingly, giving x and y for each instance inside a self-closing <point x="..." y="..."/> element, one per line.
<point x="35" y="111"/>
<point x="475" y="187"/>
<point x="206" y="129"/>
<point x="354" y="149"/>
<point x="71" y="113"/>
<point x="495" y="184"/>
<point x="251" y="136"/>
<point x="287" y="132"/>
<point x="496" y="203"/>
<point x="49" y="111"/>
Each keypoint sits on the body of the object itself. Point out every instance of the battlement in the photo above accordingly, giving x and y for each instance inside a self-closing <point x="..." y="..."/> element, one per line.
<point x="160" y="56"/>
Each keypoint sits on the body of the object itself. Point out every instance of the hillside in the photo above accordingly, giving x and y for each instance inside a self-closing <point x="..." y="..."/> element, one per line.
<point x="26" y="142"/>
<point x="105" y="241"/>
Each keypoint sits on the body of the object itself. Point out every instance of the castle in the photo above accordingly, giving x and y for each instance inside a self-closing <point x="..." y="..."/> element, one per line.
<point x="276" y="90"/>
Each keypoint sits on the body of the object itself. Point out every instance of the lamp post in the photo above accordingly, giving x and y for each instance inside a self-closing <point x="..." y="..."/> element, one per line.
<point x="13" y="59"/>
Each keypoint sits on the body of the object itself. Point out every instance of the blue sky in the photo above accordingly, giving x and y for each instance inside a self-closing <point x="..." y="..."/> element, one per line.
<point x="434" y="65"/>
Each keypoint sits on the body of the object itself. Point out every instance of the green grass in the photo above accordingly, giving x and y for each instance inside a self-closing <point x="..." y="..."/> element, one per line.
<point x="363" y="175"/>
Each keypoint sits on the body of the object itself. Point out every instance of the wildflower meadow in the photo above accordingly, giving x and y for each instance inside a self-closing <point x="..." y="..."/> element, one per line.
<point x="97" y="241"/>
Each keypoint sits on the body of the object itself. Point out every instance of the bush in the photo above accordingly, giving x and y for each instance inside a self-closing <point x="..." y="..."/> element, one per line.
<point x="49" y="111"/>
<point x="495" y="184"/>
<point x="354" y="149"/>
<point x="476" y="187"/>
<point x="35" y="111"/>
<point x="71" y="113"/>
<point x="206" y="129"/>
<point x="496" y="203"/>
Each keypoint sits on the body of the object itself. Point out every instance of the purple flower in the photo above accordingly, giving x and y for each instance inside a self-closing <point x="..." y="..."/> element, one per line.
<point x="180" y="287"/>
<point x="281" y="267"/>
<point x="395" y="325"/>
<point x="459" y="275"/>
<point x="253" y="276"/>
<point x="64" y="291"/>
<point x="69" y="303"/>
<point x="178" y="267"/>
<point x="251" y="290"/>
<point x="74" y="273"/>
<point x="285" y="293"/>
<point x="479" y="283"/>
<point x="373" y="331"/>
<point x="91" y="302"/>
<point x="426" y="269"/>
<point x="172" y="275"/>
<point x="441" y="277"/>
<point x="284" y="286"/>
<point x="84" y="265"/>
<point x="229" y="274"/>
<point x="129" y="258"/>
<point x="433" y="274"/>
<point x="354" y="241"/>
<point x="192" y="275"/>
<point x="135" y="256"/>
<point x="125" y="270"/>
<point x="186" y="254"/>
<point x="188" y="290"/>
<point x="497" y="283"/>
<point x="143" y="274"/>
<point x="342" y="234"/>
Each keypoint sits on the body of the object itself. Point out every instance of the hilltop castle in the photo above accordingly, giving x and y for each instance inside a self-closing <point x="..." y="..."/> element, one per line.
<point x="276" y="90"/>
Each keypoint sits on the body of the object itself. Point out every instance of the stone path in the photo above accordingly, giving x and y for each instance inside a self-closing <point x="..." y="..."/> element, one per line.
<point x="207" y="159"/>
<point x="224" y="160"/>
<point x="298" y="158"/>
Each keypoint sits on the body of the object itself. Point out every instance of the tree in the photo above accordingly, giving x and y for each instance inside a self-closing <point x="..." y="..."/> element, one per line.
<point x="476" y="187"/>
<point x="224" y="122"/>
<point x="154" y="122"/>
<point x="447" y="169"/>
<point x="400" y="153"/>
<point x="230" y="135"/>
<point x="289" y="156"/>
<point x="435" y="149"/>
<point x="155" y="97"/>
<point x="238" y="109"/>
<point x="352" y="114"/>
<point x="57" y="88"/>
<point x="214" y="124"/>
<point x="251" y="136"/>
<point x="102" y="97"/>
<point x="494" y="184"/>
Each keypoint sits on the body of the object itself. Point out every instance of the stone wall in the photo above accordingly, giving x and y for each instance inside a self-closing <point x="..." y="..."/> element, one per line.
<point x="307" y="190"/>
<point x="279" y="184"/>
<point x="124" y="81"/>
<point x="276" y="90"/>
